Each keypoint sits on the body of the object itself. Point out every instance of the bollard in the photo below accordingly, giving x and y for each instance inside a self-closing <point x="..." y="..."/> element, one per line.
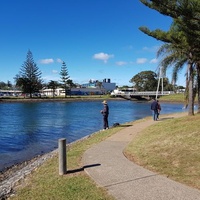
<point x="62" y="156"/>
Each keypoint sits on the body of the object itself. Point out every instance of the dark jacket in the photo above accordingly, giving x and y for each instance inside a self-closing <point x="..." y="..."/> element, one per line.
<point x="154" y="105"/>
<point x="105" y="110"/>
<point x="159" y="107"/>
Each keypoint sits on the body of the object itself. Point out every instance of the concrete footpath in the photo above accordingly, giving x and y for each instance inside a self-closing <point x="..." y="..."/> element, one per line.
<point x="125" y="180"/>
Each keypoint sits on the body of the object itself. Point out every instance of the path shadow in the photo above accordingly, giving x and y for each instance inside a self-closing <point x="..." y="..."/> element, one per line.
<point x="82" y="168"/>
<point x="125" y="125"/>
<point x="165" y="118"/>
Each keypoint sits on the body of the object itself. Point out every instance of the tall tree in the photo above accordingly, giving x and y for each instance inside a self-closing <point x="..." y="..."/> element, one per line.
<point x="64" y="77"/>
<point x="179" y="58"/>
<point x="5" y="86"/>
<point x="185" y="27"/>
<point x="29" y="77"/>
<point x="145" y="81"/>
<point x="9" y="84"/>
<point x="2" y="85"/>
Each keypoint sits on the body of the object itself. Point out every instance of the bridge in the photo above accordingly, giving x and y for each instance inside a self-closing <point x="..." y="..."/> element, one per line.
<point x="140" y="95"/>
<point x="129" y="93"/>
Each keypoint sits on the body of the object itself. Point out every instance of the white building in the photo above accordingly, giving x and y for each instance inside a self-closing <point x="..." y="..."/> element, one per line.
<point x="91" y="88"/>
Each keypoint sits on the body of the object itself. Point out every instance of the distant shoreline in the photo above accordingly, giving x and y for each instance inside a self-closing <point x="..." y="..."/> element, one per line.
<point x="71" y="99"/>
<point x="68" y="99"/>
<point x="33" y="100"/>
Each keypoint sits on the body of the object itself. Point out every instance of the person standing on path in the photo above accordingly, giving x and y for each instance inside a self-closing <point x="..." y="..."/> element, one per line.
<point x="105" y="113"/>
<point x="154" y="108"/>
<point x="159" y="109"/>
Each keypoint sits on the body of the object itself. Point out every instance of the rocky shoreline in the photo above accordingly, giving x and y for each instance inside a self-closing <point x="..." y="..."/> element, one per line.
<point x="9" y="178"/>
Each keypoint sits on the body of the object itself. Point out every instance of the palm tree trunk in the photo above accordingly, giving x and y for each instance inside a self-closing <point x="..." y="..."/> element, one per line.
<point x="191" y="92"/>
<point x="198" y="87"/>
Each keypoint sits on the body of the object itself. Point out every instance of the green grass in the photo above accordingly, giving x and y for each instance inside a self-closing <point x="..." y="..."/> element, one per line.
<point x="46" y="183"/>
<point x="170" y="148"/>
<point x="173" y="98"/>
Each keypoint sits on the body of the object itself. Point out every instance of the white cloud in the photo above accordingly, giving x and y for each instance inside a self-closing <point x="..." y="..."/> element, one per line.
<point x="59" y="60"/>
<point x="120" y="63"/>
<point x="145" y="48"/>
<point x="129" y="47"/>
<point x="141" y="60"/>
<point x="102" y="56"/>
<point x="154" y="60"/>
<point x="46" y="61"/>
<point x="151" y="49"/>
<point x="48" y="78"/>
<point x="54" y="71"/>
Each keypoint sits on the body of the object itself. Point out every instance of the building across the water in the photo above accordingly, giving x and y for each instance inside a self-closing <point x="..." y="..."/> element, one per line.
<point x="10" y="92"/>
<point x="93" y="87"/>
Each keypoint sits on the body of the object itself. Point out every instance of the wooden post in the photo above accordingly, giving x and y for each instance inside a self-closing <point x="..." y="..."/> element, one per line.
<point x="62" y="156"/>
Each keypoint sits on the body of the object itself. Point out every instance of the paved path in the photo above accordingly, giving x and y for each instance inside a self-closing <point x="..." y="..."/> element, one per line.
<point x="126" y="180"/>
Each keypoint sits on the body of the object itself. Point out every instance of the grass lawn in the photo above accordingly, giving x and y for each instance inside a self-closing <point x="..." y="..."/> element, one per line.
<point x="170" y="148"/>
<point x="173" y="98"/>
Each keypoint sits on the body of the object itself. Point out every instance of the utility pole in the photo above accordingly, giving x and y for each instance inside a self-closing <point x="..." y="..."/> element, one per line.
<point x="160" y="76"/>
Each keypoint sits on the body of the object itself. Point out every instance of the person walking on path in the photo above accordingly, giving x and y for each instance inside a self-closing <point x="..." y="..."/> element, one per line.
<point x="159" y="109"/>
<point x="105" y="113"/>
<point x="154" y="108"/>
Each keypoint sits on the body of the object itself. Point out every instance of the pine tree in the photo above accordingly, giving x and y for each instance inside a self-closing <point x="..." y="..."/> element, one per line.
<point x="64" y="77"/>
<point x="29" y="77"/>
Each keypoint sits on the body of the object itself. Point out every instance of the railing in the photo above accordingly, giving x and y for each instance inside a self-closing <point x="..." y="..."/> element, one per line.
<point x="147" y="93"/>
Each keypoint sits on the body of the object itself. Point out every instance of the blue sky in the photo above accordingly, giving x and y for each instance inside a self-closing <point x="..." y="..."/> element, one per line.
<point x="96" y="39"/>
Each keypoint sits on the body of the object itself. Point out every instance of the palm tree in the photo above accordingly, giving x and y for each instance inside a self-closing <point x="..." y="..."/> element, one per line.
<point x="177" y="58"/>
<point x="182" y="40"/>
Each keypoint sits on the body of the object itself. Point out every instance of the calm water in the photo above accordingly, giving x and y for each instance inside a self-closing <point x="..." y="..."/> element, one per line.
<point x="30" y="129"/>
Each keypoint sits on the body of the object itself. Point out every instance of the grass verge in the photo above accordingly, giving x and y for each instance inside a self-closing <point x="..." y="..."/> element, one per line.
<point x="45" y="183"/>
<point x="170" y="148"/>
<point x="173" y="98"/>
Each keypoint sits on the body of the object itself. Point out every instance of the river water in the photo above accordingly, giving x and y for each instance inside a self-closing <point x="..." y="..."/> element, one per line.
<point x="30" y="129"/>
